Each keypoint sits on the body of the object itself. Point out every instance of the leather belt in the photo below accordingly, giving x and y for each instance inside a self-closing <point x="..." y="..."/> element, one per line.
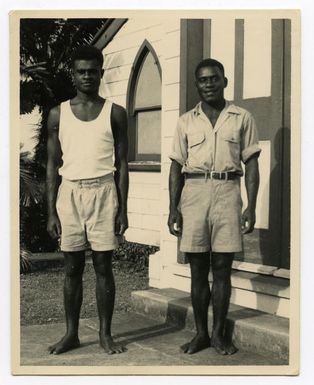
<point x="225" y="175"/>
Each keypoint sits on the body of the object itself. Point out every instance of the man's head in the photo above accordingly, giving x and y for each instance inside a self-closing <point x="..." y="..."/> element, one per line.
<point x="210" y="81"/>
<point x="87" y="62"/>
<point x="87" y="52"/>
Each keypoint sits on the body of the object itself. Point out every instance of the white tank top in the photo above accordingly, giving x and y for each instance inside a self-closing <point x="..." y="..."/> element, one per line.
<point x="87" y="147"/>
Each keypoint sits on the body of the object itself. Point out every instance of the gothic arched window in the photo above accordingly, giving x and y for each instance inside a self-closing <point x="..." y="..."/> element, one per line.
<point x="144" y="109"/>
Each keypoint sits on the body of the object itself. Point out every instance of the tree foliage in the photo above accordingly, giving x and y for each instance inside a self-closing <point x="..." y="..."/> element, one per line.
<point x="45" y="49"/>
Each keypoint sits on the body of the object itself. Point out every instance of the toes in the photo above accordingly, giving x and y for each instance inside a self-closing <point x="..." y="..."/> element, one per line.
<point x="52" y="349"/>
<point x="61" y="350"/>
<point x="220" y="351"/>
<point x="185" y="347"/>
<point x="112" y="348"/>
<point x="232" y="349"/>
<point x="225" y="349"/>
<point x="122" y="349"/>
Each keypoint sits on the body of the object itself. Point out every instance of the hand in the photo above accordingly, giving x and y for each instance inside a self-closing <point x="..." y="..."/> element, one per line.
<point x="54" y="226"/>
<point x="247" y="221"/>
<point x="121" y="223"/>
<point x="175" y="223"/>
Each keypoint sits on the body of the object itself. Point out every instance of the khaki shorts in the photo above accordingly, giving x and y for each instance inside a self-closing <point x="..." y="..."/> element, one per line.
<point x="87" y="209"/>
<point x="211" y="211"/>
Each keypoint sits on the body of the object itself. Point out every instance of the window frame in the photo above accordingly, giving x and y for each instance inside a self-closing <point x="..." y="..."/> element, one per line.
<point x="147" y="162"/>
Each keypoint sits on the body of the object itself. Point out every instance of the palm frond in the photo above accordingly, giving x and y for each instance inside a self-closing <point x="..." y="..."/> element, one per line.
<point x="25" y="262"/>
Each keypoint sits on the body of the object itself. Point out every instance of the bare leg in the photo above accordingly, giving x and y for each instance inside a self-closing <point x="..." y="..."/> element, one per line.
<point x="221" y="291"/>
<point x="105" y="295"/>
<point x="200" y="295"/>
<point x="73" y="292"/>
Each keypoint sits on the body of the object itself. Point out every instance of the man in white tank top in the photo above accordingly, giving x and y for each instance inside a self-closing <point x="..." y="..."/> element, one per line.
<point x="87" y="147"/>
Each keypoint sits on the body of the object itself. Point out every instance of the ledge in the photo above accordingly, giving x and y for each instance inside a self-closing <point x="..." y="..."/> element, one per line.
<point x="145" y="166"/>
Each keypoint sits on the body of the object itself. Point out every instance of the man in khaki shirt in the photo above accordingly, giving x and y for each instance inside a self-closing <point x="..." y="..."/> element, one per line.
<point x="210" y="143"/>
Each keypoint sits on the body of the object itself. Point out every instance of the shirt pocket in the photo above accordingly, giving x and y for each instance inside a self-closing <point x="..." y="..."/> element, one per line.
<point x="195" y="139"/>
<point x="231" y="135"/>
<point x="229" y="146"/>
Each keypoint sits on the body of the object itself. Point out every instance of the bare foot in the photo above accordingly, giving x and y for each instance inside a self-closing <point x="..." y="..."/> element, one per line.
<point x="109" y="346"/>
<point x="223" y="347"/>
<point x="65" y="344"/>
<point x="198" y="343"/>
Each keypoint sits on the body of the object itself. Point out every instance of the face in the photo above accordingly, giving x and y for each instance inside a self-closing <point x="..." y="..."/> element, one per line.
<point x="87" y="75"/>
<point x="210" y="84"/>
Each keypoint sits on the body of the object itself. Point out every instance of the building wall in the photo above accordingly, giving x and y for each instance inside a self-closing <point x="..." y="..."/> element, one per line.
<point x="223" y="42"/>
<point x="147" y="205"/>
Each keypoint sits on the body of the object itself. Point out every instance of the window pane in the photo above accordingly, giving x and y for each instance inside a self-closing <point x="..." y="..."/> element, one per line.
<point x="148" y="91"/>
<point x="148" y="132"/>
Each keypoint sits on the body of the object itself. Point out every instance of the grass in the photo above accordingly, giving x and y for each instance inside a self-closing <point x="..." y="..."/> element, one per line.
<point x="42" y="291"/>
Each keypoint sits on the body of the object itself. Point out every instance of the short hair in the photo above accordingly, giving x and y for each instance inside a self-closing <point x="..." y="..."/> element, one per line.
<point x="87" y="52"/>
<point x="209" y="63"/>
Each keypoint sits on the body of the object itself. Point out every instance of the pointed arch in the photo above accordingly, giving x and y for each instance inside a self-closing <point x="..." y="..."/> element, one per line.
<point x="144" y="108"/>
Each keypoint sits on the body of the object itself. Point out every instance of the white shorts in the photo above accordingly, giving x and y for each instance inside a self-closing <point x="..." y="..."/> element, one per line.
<point x="87" y="209"/>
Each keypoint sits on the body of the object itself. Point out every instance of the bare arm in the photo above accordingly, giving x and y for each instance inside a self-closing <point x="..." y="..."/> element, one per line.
<point x="52" y="177"/>
<point x="119" y="128"/>
<point x="176" y="182"/>
<point x="251" y="185"/>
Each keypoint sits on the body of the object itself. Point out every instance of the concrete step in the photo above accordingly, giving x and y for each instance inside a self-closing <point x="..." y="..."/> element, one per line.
<point x="251" y="329"/>
<point x="267" y="293"/>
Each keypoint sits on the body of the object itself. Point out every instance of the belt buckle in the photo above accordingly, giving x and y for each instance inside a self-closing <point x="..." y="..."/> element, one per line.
<point x="221" y="175"/>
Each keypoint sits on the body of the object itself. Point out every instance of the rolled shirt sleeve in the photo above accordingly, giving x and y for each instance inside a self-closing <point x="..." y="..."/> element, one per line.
<point x="249" y="138"/>
<point x="179" y="145"/>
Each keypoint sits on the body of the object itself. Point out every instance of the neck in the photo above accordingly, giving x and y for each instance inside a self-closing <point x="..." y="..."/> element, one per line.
<point x="87" y="97"/>
<point x="219" y="105"/>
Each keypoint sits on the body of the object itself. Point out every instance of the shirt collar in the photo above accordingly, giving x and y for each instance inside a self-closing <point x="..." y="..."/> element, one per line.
<point x="229" y="108"/>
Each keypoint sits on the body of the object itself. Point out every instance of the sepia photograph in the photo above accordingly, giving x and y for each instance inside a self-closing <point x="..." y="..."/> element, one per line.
<point x="155" y="210"/>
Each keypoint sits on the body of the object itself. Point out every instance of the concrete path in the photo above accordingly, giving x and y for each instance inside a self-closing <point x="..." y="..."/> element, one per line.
<point x="148" y="342"/>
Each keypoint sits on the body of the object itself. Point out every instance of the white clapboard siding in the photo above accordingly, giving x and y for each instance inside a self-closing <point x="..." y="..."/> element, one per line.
<point x="115" y="88"/>
<point x="144" y="206"/>
<point x="119" y="99"/>
<point x="167" y="148"/>
<point x="146" y="178"/>
<point x="172" y="25"/>
<point x="147" y="221"/>
<point x="146" y="237"/>
<point x="169" y="122"/>
<point x="125" y="57"/>
<point x="165" y="200"/>
<point x="170" y="97"/>
<point x="121" y="72"/>
<point x="170" y="114"/>
<point x="172" y="46"/>
<point x="169" y="250"/>
<point x="135" y="39"/>
<point x="144" y="191"/>
<point x="132" y="26"/>
<point x="171" y="70"/>
<point x="166" y="169"/>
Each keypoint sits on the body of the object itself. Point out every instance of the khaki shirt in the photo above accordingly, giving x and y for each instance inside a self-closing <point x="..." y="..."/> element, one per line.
<point x="200" y="147"/>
